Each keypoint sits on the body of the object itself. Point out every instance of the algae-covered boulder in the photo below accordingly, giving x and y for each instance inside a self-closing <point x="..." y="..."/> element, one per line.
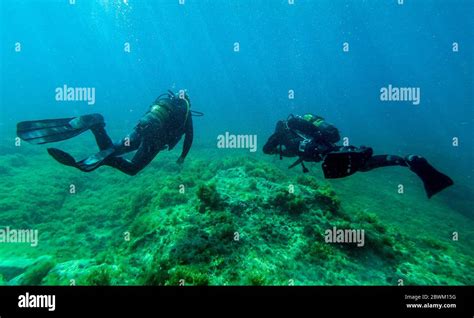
<point x="82" y="272"/>
<point x="12" y="267"/>
<point x="288" y="202"/>
<point x="156" y="274"/>
<point x="35" y="273"/>
<point x="217" y="221"/>
<point x="99" y="276"/>
<point x="69" y="273"/>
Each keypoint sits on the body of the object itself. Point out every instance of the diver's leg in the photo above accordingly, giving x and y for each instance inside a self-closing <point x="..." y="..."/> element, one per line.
<point x="60" y="129"/>
<point x="433" y="180"/>
<point x="345" y="161"/>
<point x="130" y="143"/>
<point x="108" y="149"/>
<point x="382" y="161"/>
<point x="145" y="137"/>
<point x="349" y="159"/>
<point x="101" y="137"/>
<point x="145" y="154"/>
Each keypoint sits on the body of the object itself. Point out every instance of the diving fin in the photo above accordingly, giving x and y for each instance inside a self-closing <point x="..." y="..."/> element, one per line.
<point x="51" y="130"/>
<point x="433" y="180"/>
<point x="62" y="157"/>
<point x="86" y="165"/>
<point x="95" y="161"/>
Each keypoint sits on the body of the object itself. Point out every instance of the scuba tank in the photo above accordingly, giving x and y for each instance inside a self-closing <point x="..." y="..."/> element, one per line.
<point x="328" y="131"/>
<point x="170" y="96"/>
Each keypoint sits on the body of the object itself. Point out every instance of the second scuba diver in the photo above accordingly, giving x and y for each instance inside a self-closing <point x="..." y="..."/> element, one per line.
<point x="312" y="139"/>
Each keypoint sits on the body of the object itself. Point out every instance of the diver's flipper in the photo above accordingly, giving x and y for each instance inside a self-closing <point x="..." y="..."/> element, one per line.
<point x="433" y="180"/>
<point x="51" y="130"/>
<point x="86" y="165"/>
<point x="95" y="161"/>
<point x="62" y="157"/>
<point x="344" y="163"/>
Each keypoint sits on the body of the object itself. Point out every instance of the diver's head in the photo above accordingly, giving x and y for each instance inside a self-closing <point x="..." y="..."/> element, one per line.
<point x="181" y="95"/>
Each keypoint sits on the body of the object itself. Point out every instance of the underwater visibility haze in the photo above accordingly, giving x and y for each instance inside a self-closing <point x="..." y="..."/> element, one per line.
<point x="175" y="122"/>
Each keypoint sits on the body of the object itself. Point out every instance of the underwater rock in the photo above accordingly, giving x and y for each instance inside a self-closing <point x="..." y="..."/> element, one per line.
<point x="280" y="233"/>
<point x="35" y="273"/>
<point x="70" y="272"/>
<point x="308" y="181"/>
<point x="12" y="267"/>
<point x="157" y="272"/>
<point x="326" y="197"/>
<point x="288" y="202"/>
<point x="99" y="276"/>
<point x="18" y="160"/>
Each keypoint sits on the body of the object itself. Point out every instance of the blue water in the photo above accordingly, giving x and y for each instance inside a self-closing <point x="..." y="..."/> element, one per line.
<point x="282" y="47"/>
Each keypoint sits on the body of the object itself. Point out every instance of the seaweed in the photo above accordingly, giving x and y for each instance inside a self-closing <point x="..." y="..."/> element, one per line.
<point x="188" y="276"/>
<point x="157" y="273"/>
<point x="288" y="202"/>
<point x="99" y="276"/>
<point x="36" y="272"/>
<point x="256" y="278"/>
<point x="209" y="197"/>
<point x="188" y="238"/>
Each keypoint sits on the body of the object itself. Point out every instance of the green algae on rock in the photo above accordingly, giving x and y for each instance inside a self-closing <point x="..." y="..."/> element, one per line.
<point x="231" y="221"/>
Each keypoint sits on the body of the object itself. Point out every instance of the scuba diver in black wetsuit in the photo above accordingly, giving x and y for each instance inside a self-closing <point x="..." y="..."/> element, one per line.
<point x="312" y="139"/>
<point x="160" y="128"/>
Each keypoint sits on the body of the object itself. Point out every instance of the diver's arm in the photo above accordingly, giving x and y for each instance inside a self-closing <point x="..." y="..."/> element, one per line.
<point x="271" y="145"/>
<point x="188" y="139"/>
<point x="275" y="140"/>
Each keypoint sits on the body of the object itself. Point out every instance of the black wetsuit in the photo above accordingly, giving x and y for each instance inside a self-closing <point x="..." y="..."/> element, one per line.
<point x="313" y="140"/>
<point x="160" y="128"/>
<point x="296" y="137"/>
